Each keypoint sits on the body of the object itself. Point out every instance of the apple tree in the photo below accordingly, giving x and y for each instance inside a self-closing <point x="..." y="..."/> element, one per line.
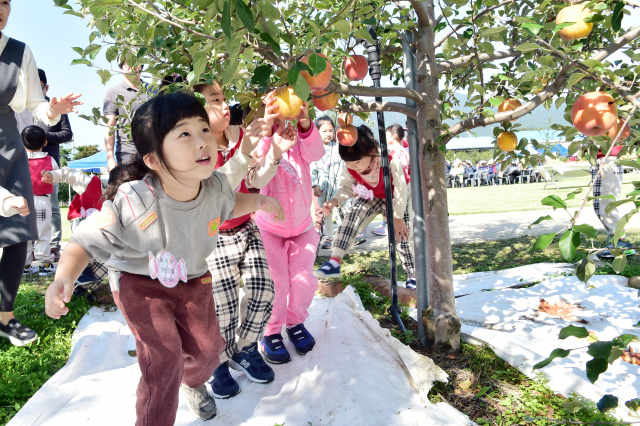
<point x="498" y="51"/>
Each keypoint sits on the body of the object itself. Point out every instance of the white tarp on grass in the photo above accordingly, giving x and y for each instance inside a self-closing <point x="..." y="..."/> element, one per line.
<point x="356" y="375"/>
<point x="507" y="320"/>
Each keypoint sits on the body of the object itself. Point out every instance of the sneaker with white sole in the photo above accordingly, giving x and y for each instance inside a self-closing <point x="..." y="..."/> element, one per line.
<point x="380" y="231"/>
<point x="411" y="283"/>
<point x="301" y="339"/>
<point x="200" y="403"/>
<point x="47" y="269"/>
<point x="18" y="333"/>
<point x="251" y="362"/>
<point x="223" y="386"/>
<point x="327" y="270"/>
<point x="30" y="269"/>
<point x="625" y="246"/>
<point x="274" y="350"/>
<point x="327" y="244"/>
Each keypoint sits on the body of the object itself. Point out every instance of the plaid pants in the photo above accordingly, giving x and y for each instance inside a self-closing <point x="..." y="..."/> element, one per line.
<point x="239" y="256"/>
<point x="610" y="183"/>
<point x="41" y="248"/>
<point x="357" y="217"/>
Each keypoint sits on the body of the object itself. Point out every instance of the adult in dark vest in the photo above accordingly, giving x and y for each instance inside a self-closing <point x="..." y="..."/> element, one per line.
<point x="19" y="89"/>
<point x="57" y="134"/>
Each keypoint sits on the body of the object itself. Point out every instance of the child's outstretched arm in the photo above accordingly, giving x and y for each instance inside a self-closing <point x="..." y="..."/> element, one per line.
<point x="72" y="262"/>
<point x="76" y="178"/>
<point x="249" y="203"/>
<point x="311" y="146"/>
<point x="11" y="204"/>
<point x="343" y="193"/>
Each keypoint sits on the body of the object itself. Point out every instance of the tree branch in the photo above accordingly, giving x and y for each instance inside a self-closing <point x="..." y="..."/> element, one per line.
<point x="382" y="92"/>
<point x="421" y="13"/>
<point x="479" y="15"/>
<point x="445" y="66"/>
<point x="380" y="106"/>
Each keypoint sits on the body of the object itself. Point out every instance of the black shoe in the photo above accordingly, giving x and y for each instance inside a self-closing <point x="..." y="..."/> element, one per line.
<point x="83" y="292"/>
<point x="18" y="333"/>
<point x="87" y="277"/>
<point x="359" y="240"/>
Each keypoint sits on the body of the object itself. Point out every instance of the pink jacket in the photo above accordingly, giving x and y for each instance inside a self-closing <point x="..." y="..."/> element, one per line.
<point x="291" y="186"/>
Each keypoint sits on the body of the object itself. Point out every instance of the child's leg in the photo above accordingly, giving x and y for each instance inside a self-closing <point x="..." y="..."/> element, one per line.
<point x="302" y="255"/>
<point x="258" y="287"/>
<point x="42" y="249"/>
<point x="161" y="343"/>
<point x="328" y="225"/>
<point x="405" y="248"/>
<point x="277" y="258"/>
<point x="360" y="211"/>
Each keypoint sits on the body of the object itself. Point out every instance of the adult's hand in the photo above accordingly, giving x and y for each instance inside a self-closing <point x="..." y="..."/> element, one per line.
<point x="64" y="105"/>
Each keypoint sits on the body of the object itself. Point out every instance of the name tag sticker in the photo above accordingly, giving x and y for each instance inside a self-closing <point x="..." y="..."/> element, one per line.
<point x="105" y="218"/>
<point x="206" y="280"/>
<point x="212" y="229"/>
<point x="148" y="221"/>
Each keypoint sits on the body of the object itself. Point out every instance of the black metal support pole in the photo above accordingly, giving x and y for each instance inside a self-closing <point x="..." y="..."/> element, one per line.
<point x="375" y="70"/>
<point x="419" y="228"/>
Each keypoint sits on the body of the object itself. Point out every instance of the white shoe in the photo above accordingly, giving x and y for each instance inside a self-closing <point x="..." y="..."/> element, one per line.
<point x="30" y="269"/>
<point x="47" y="269"/>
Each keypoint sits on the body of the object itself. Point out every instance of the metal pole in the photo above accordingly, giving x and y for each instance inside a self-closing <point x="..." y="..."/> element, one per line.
<point x="375" y="70"/>
<point x="419" y="228"/>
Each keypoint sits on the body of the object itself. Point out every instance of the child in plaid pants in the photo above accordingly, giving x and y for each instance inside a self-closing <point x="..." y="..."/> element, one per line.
<point x="362" y="179"/>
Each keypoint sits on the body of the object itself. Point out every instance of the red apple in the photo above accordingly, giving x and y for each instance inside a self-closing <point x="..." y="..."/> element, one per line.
<point x="594" y="113"/>
<point x="357" y="68"/>
<point x="289" y="103"/>
<point x="318" y="81"/>
<point x="347" y="135"/>
<point x="326" y="100"/>
<point x="345" y="119"/>
<point x="626" y="132"/>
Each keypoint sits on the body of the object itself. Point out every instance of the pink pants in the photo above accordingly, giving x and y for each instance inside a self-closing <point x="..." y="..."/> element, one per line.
<point x="291" y="264"/>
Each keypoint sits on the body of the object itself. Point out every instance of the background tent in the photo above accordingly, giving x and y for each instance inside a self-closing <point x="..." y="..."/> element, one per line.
<point x="91" y="164"/>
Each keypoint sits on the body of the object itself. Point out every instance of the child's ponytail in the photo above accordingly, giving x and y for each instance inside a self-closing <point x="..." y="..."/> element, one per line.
<point x="124" y="173"/>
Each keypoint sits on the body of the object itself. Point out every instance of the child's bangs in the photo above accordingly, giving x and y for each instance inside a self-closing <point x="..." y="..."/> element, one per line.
<point x="172" y="108"/>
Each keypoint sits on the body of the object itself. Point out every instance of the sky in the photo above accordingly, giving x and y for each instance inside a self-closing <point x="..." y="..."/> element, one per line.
<point x="51" y="34"/>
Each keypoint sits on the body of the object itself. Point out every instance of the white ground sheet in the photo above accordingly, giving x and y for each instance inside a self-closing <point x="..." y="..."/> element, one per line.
<point x="357" y="374"/>
<point x="505" y="319"/>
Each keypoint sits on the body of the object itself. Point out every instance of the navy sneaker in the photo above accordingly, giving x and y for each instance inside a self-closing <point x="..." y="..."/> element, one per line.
<point x="411" y="283"/>
<point x="223" y="386"/>
<point x="327" y="271"/>
<point x="250" y="361"/>
<point x="301" y="339"/>
<point x="274" y="350"/>
<point x="626" y="246"/>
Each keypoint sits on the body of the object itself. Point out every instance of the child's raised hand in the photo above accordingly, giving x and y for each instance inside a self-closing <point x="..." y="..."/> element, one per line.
<point x="329" y="206"/>
<point x="270" y="205"/>
<point x="57" y="296"/>
<point x="402" y="232"/>
<point x="283" y="140"/>
<point x="47" y="177"/>
<point x="271" y="110"/>
<point x="65" y="104"/>
<point x="254" y="132"/>
<point x="303" y="117"/>
<point x="19" y="203"/>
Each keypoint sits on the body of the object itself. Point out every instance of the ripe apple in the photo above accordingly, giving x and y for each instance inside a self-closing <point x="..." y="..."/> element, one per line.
<point x="594" y="113"/>
<point x="509" y="105"/>
<point x="318" y="81"/>
<point x="325" y="103"/>
<point x="507" y="141"/>
<point x="626" y="132"/>
<point x="345" y="119"/>
<point x="289" y="103"/>
<point x="575" y="13"/>
<point x="356" y="69"/>
<point x="347" y="135"/>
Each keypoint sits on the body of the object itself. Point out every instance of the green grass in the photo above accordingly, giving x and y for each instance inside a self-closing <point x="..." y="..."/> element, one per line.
<point x="24" y="370"/>
<point x="66" y="226"/>
<point x="525" y="197"/>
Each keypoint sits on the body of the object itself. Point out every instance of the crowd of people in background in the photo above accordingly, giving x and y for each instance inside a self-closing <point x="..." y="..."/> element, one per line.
<point x="463" y="173"/>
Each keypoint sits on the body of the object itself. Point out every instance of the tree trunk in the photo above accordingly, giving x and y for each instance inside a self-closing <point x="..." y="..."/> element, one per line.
<point x="442" y="325"/>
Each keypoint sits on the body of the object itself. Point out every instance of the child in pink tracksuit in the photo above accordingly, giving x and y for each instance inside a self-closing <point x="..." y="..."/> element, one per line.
<point x="291" y="245"/>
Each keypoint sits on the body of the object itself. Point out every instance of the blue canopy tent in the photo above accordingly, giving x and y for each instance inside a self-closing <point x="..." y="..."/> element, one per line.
<point x="91" y="164"/>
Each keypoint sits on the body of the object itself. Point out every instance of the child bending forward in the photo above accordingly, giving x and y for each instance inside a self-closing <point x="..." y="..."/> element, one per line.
<point x="154" y="234"/>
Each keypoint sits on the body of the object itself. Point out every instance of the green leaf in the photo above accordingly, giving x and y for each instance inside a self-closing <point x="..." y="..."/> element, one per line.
<point x="483" y="391"/>
<point x="542" y="242"/>
<point x="112" y="53"/>
<point x="91" y="48"/>
<point x="230" y="70"/>
<point x="628" y="163"/>
<point x="97" y="3"/>
<point x="271" y="42"/>
<point x="595" y="367"/>
<point x="569" y="242"/>
<point x="364" y="34"/>
<point x="532" y="29"/>
<point x="293" y="74"/>
<point x="616" y="353"/>
<point x="619" y="263"/>
<point x="586" y="229"/>
<point x="540" y="219"/>
<point x="557" y="353"/>
<point x="561" y="26"/>
<point x="261" y="75"/>
<point x="633" y="404"/>
<point x="226" y="19"/>
<point x="554" y="201"/>
<point x="572" y="406"/>
<point x="343" y="27"/>
<point x="81" y="61"/>
<point x="600" y="349"/>
<point x="200" y="97"/>
<point x="573" y="331"/>
<point x="607" y="402"/>
<point x="621" y="224"/>
<point x="246" y="16"/>
<point x="104" y="76"/>
<point x="301" y="88"/>
<point x="527" y="47"/>
<point x="585" y="270"/>
<point x="448" y="46"/>
<point x="199" y="63"/>
<point x="616" y="18"/>
<point x="317" y="64"/>
<point x="623" y="340"/>
<point x="574" y="78"/>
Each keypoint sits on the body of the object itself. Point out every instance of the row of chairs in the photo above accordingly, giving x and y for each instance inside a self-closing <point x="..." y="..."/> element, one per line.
<point x="476" y="179"/>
